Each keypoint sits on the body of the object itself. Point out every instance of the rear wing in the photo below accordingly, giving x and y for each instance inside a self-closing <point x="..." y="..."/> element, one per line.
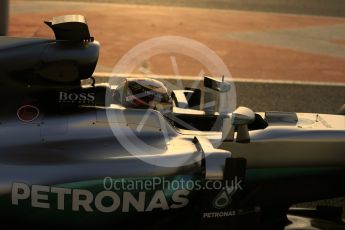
<point x="70" y="28"/>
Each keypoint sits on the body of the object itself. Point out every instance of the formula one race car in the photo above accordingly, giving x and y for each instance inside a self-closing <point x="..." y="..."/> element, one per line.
<point x="139" y="153"/>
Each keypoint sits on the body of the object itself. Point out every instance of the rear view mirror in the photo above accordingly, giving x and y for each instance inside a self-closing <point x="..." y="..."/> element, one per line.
<point x="243" y="116"/>
<point x="239" y="121"/>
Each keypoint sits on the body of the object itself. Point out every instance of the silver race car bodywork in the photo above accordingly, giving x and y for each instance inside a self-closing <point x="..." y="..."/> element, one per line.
<point x="62" y="143"/>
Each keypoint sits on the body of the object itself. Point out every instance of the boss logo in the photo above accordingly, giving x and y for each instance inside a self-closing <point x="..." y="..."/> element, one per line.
<point x="76" y="97"/>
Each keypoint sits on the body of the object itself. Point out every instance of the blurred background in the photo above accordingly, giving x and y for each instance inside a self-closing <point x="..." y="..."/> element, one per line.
<point x="291" y="49"/>
<point x="301" y="40"/>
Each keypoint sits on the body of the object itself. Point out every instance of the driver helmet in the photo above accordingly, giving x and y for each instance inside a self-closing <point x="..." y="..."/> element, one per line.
<point x="147" y="93"/>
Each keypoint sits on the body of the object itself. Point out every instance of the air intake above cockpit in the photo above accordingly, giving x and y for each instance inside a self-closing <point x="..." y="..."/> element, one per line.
<point x="70" y="28"/>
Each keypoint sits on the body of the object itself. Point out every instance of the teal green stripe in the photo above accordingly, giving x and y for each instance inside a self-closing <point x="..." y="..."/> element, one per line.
<point x="281" y="173"/>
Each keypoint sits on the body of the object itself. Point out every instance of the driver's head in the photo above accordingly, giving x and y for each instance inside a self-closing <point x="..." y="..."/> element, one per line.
<point x="147" y="93"/>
